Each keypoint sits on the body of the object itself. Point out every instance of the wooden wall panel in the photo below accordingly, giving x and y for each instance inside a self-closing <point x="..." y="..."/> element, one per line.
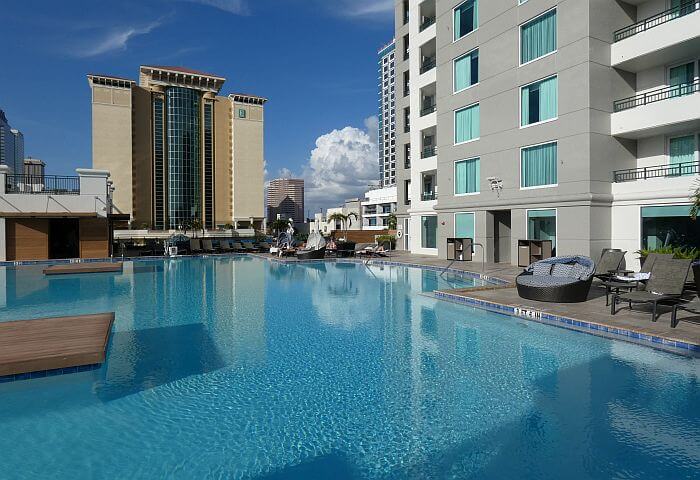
<point x="27" y="239"/>
<point x="94" y="238"/>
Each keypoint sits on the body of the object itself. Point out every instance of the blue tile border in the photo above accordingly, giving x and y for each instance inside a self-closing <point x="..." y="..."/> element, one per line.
<point x="598" y="329"/>
<point x="48" y="373"/>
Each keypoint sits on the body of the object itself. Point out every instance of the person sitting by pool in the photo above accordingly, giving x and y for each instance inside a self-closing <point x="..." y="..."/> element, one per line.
<point x="331" y="245"/>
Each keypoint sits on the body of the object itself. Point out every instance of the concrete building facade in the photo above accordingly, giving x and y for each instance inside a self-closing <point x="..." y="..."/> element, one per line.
<point x="179" y="151"/>
<point x="545" y="119"/>
<point x="387" y="116"/>
<point x="377" y="206"/>
<point x="285" y="197"/>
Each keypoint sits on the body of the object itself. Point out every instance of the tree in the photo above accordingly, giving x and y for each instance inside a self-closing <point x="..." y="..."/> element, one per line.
<point x="197" y="225"/>
<point x="392" y="221"/>
<point x="338" y="217"/>
<point x="695" y="198"/>
<point x="279" y="226"/>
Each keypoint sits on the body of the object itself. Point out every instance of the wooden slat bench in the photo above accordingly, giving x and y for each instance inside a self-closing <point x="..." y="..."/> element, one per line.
<point x="96" y="267"/>
<point x="51" y="343"/>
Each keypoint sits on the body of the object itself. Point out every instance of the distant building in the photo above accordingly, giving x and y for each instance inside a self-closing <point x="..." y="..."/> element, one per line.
<point x="11" y="145"/>
<point x="34" y="167"/>
<point x="285" y="197"/>
<point x="377" y="206"/>
<point x="177" y="150"/>
<point x="351" y="208"/>
<point x="387" y="116"/>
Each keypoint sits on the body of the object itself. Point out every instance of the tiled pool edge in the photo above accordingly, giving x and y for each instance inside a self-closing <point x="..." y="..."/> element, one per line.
<point x="48" y="373"/>
<point x="592" y="328"/>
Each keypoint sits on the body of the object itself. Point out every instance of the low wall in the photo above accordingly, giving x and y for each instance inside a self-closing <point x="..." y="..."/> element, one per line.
<point x="361" y="236"/>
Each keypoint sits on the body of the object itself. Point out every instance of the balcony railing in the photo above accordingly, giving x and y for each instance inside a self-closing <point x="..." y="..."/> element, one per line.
<point x="656" y="20"/>
<point x="657" y="171"/>
<point x="657" y="96"/>
<point x="428" y="64"/>
<point x="427" y="21"/>
<point x="407" y="162"/>
<point x="427" y="110"/>
<point x="427" y="196"/>
<point x="428" y="152"/>
<point x="42" y="184"/>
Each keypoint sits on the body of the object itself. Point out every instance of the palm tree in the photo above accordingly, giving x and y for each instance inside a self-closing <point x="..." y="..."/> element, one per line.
<point x="338" y="217"/>
<point x="279" y="226"/>
<point x="197" y="225"/>
<point x="695" y="198"/>
<point x="349" y="218"/>
<point x="392" y="221"/>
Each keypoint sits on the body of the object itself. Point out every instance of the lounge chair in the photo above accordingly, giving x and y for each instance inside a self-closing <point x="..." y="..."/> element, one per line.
<point x="249" y="247"/>
<point x="378" y="250"/>
<point x="665" y="285"/>
<point x="207" y="246"/>
<point x="692" y="306"/>
<point x="361" y="248"/>
<point x="264" y="247"/>
<point x="557" y="279"/>
<point x="614" y="286"/>
<point x="195" y="246"/>
<point x="610" y="261"/>
<point x="225" y="246"/>
<point x="237" y="247"/>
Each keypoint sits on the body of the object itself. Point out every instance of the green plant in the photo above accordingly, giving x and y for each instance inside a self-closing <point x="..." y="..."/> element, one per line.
<point x="392" y="221"/>
<point x="691" y="253"/>
<point x="197" y="225"/>
<point x="279" y="226"/>
<point x="345" y="220"/>
<point x="695" y="198"/>
<point x="391" y="239"/>
<point x="228" y="226"/>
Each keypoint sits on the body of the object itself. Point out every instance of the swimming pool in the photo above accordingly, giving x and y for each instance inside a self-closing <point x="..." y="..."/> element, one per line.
<point x="237" y="367"/>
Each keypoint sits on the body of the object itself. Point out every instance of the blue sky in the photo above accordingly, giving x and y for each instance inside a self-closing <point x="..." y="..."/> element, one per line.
<point x="314" y="59"/>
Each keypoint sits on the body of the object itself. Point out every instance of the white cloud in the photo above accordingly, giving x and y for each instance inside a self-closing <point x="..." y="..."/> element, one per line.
<point x="116" y="39"/>
<point x="237" y="7"/>
<point x="341" y="166"/>
<point x="367" y="8"/>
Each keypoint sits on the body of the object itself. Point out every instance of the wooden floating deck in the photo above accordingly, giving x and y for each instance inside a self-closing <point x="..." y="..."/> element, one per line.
<point x="91" y="267"/>
<point x="51" y="343"/>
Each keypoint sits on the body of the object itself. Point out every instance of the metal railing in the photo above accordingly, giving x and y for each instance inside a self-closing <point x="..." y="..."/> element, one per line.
<point x="426" y="196"/>
<point x="656" y="20"/>
<point x="407" y="162"/>
<point x="428" y="110"/>
<point x="42" y="184"/>
<point x="426" y="23"/>
<point x="428" y="152"/>
<point x="657" y="95"/>
<point x="657" y="171"/>
<point x="428" y="64"/>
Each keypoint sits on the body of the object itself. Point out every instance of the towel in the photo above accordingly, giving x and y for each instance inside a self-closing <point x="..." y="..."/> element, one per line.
<point x="636" y="277"/>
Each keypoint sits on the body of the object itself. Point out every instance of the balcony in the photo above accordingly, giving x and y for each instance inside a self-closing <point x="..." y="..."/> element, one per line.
<point x="427" y="65"/>
<point x="662" y="111"/>
<point x="428" y="21"/>
<point x="658" y="40"/>
<point x="427" y="196"/>
<point x="428" y="152"/>
<point x="42" y="185"/>
<point x="427" y="110"/>
<point x="657" y="171"/>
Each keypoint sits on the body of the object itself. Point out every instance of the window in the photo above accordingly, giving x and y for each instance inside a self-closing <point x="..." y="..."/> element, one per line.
<point x="429" y="231"/>
<point x="466" y="71"/>
<point x="538" y="165"/>
<point x="405" y="46"/>
<point x="542" y="225"/>
<point x="669" y="225"/>
<point x="406" y="192"/>
<point x="538" y="101"/>
<point x="466" y="18"/>
<point x="241" y="113"/>
<point x="682" y="153"/>
<point x="467" y="126"/>
<point x="372" y="221"/>
<point x="464" y="225"/>
<point x="682" y="77"/>
<point x="538" y="37"/>
<point x="467" y="176"/>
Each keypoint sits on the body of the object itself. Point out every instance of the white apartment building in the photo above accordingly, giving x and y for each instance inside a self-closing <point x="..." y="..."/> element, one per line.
<point x="386" y="138"/>
<point x="576" y="122"/>
<point x="377" y="206"/>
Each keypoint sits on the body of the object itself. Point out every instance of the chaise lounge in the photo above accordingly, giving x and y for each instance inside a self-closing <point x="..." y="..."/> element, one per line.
<point x="558" y="279"/>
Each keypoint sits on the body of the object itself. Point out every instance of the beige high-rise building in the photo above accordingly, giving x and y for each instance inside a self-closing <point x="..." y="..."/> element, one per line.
<point x="285" y="197"/>
<point x="177" y="150"/>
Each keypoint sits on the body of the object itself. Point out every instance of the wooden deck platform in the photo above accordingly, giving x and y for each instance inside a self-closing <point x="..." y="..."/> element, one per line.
<point x="51" y="343"/>
<point x="92" y="267"/>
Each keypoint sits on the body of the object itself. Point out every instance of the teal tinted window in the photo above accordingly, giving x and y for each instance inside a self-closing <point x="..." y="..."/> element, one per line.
<point x="538" y="101"/>
<point x="429" y="231"/>
<point x="466" y="70"/>
<point x="467" y="124"/>
<point x="542" y="225"/>
<point x="466" y="18"/>
<point x="538" y="165"/>
<point x="464" y="225"/>
<point x="538" y="37"/>
<point x="467" y="176"/>
<point x="241" y="113"/>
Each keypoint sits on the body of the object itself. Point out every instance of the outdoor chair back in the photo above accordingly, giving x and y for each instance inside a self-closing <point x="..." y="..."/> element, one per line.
<point x="668" y="276"/>
<point x="207" y="245"/>
<point x="195" y="245"/>
<point x="610" y="260"/>
<point x="651" y="259"/>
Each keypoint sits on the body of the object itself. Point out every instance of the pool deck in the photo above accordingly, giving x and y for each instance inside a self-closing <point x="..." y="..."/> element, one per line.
<point x="47" y="346"/>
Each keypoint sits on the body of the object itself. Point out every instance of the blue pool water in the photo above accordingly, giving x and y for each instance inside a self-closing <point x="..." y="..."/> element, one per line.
<point x="243" y="368"/>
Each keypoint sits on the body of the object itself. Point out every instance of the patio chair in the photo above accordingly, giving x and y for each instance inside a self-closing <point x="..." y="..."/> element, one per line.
<point x="249" y="247"/>
<point x="237" y="247"/>
<point x="564" y="279"/>
<point x="195" y="246"/>
<point x="692" y="306"/>
<point x="610" y="261"/>
<point x="665" y="285"/>
<point x="207" y="246"/>
<point x="614" y="285"/>
<point x="264" y="247"/>
<point x="225" y="246"/>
